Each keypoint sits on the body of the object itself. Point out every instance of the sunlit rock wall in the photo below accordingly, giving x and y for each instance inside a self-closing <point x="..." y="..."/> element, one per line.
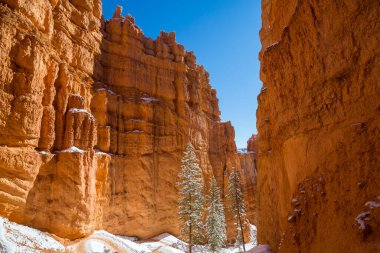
<point x="150" y="101"/>
<point x="94" y="119"/>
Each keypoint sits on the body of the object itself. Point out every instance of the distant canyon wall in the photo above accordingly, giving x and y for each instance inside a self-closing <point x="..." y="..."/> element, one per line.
<point x="248" y="168"/>
<point x="94" y="119"/>
<point x="319" y="126"/>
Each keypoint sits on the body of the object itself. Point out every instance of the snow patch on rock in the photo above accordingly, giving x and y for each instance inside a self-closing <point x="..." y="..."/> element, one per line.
<point x="72" y="149"/>
<point x="106" y="90"/>
<point x="98" y="152"/>
<point x="149" y="99"/>
<point x="361" y="218"/>
<point x="372" y="204"/>
<point x="44" y="153"/>
<point x="77" y="110"/>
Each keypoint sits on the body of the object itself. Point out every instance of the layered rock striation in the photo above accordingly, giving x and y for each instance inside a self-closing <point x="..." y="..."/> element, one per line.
<point x="153" y="99"/>
<point x="94" y="119"/>
<point x="48" y="51"/>
<point x="318" y="123"/>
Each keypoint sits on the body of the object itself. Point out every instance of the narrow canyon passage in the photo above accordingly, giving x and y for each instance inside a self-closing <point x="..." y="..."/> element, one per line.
<point x="95" y="118"/>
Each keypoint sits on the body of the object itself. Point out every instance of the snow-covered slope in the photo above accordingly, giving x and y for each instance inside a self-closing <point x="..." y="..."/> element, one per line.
<point x="166" y="243"/>
<point x="15" y="238"/>
<point x="102" y="242"/>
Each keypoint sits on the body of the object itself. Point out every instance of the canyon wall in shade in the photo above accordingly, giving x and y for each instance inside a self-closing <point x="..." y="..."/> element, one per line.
<point x="319" y="126"/>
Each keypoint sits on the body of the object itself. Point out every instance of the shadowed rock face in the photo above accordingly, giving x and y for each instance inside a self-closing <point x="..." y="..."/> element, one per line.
<point x="249" y="176"/>
<point x="318" y="124"/>
<point x="94" y="119"/>
<point x="248" y="168"/>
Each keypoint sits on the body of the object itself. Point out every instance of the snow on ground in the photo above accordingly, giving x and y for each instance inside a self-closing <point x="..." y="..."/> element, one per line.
<point x="130" y="238"/>
<point x="5" y="245"/>
<point x="102" y="242"/>
<point x="261" y="249"/>
<point x="160" y="247"/>
<point x="253" y="234"/>
<point x="167" y="243"/>
<point x="15" y="238"/>
<point x="22" y="239"/>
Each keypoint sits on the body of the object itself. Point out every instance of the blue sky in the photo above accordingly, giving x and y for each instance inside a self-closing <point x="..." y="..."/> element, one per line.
<point x="224" y="35"/>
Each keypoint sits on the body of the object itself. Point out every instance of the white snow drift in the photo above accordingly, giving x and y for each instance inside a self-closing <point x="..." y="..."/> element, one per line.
<point x="15" y="238"/>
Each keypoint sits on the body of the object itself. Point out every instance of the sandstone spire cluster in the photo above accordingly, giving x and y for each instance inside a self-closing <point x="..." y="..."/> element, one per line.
<point x="94" y="119"/>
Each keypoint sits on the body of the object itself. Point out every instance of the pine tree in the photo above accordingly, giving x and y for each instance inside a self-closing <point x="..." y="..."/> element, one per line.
<point x="215" y="222"/>
<point x="191" y="198"/>
<point x="235" y="195"/>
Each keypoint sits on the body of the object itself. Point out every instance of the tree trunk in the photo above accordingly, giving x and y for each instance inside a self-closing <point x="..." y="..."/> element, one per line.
<point x="238" y="210"/>
<point x="190" y="242"/>
<point x="242" y="232"/>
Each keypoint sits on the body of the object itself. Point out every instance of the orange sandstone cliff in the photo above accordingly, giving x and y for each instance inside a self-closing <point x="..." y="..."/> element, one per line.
<point x="248" y="170"/>
<point x="319" y="126"/>
<point x="252" y="144"/>
<point x="94" y="119"/>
